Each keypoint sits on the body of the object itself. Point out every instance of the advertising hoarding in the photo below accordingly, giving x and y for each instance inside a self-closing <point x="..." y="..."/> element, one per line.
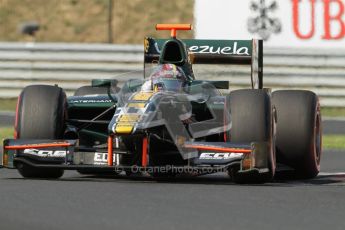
<point x="281" y="23"/>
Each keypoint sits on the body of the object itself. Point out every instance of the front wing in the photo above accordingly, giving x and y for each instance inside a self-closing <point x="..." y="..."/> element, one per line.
<point x="66" y="154"/>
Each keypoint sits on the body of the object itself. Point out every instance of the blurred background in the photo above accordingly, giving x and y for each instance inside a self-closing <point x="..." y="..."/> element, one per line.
<point x="91" y="21"/>
<point x="70" y="42"/>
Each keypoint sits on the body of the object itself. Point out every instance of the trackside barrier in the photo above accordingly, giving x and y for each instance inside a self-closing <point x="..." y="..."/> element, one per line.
<point x="74" y="65"/>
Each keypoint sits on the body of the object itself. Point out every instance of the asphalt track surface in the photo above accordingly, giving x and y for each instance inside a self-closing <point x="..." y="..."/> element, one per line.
<point x="208" y="202"/>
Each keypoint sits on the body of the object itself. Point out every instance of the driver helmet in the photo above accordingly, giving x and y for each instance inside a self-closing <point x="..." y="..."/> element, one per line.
<point x="167" y="77"/>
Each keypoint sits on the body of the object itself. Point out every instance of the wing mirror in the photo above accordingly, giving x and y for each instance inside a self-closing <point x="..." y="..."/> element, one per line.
<point x="110" y="84"/>
<point x="220" y="84"/>
<point x="103" y="82"/>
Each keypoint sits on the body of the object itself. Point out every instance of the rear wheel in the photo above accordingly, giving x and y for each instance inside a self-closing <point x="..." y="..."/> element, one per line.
<point x="299" y="131"/>
<point x="252" y="121"/>
<point x="40" y="115"/>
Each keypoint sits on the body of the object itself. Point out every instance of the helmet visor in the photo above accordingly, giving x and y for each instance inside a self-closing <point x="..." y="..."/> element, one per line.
<point x="168" y="85"/>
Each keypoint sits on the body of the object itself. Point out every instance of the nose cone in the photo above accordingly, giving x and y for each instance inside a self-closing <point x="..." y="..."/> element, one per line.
<point x="126" y="123"/>
<point x="127" y="118"/>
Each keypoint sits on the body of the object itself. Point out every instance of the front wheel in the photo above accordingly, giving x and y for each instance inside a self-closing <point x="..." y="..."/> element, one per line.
<point x="40" y="115"/>
<point x="253" y="121"/>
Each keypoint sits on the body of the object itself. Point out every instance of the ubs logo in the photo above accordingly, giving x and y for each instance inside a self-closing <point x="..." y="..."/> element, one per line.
<point x="263" y="24"/>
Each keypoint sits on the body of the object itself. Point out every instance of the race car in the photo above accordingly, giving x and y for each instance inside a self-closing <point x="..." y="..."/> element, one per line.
<point x="169" y="122"/>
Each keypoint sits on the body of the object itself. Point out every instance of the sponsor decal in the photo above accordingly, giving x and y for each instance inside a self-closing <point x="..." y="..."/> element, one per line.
<point x="227" y="50"/>
<point x="282" y="23"/>
<point x="333" y="23"/>
<point x="219" y="156"/>
<point x="90" y="101"/>
<point x="46" y="153"/>
<point x="102" y="159"/>
<point x="263" y="23"/>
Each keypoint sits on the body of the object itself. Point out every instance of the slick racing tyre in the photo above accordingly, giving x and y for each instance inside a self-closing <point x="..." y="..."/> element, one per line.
<point x="298" y="131"/>
<point x="252" y="121"/>
<point x="40" y="115"/>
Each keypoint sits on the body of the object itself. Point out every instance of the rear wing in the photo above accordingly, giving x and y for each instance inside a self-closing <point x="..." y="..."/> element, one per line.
<point x="241" y="52"/>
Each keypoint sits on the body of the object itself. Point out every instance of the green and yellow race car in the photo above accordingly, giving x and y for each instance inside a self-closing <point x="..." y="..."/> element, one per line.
<point x="169" y="122"/>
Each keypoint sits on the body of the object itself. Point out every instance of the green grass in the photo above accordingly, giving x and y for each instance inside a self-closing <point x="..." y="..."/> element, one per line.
<point x="333" y="112"/>
<point x="8" y="104"/>
<point x="6" y="132"/>
<point x="333" y="142"/>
